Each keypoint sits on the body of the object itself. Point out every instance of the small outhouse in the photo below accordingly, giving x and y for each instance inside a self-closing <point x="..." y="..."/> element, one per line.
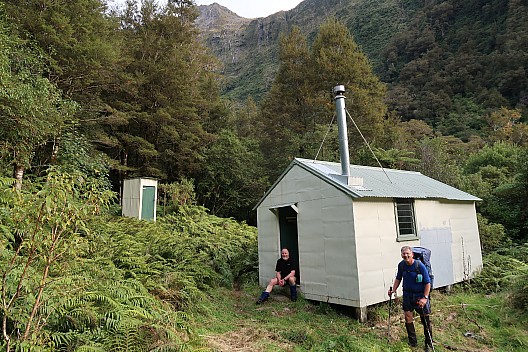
<point x="344" y="225"/>
<point x="139" y="198"/>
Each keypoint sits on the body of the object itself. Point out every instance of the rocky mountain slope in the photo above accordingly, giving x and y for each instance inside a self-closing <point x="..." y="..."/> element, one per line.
<point x="222" y="30"/>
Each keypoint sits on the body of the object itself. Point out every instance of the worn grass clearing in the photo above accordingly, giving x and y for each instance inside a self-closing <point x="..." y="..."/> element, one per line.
<point x="230" y="321"/>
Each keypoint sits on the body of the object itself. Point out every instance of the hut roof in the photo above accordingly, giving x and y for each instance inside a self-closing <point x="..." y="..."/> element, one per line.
<point x="376" y="182"/>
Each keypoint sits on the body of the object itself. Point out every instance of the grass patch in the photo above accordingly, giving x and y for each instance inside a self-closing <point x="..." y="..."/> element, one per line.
<point x="229" y="320"/>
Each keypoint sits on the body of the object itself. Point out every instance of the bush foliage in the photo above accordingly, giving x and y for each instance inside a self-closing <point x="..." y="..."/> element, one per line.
<point x="506" y="270"/>
<point x="76" y="279"/>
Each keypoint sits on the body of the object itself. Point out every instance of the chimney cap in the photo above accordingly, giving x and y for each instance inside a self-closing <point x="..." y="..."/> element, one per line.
<point x="338" y="90"/>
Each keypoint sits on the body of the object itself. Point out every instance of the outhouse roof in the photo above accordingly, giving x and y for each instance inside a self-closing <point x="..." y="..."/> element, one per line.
<point x="378" y="182"/>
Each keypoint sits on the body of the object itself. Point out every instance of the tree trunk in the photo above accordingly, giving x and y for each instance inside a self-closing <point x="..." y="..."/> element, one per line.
<point x="19" y="174"/>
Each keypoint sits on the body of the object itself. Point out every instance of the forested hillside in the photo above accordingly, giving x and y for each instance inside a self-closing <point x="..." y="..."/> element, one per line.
<point x="459" y="61"/>
<point x="249" y="49"/>
<point x="138" y="92"/>
<point x="444" y="61"/>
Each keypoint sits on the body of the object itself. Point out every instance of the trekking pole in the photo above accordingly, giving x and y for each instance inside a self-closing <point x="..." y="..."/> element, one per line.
<point x="388" y="323"/>
<point x="430" y="337"/>
<point x="427" y="329"/>
<point x="390" y="309"/>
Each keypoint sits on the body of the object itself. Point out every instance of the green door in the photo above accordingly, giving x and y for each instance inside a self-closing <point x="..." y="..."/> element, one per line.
<point x="148" y="202"/>
<point x="289" y="236"/>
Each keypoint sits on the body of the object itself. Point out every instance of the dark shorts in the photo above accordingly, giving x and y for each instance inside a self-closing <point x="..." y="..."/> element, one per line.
<point x="410" y="303"/>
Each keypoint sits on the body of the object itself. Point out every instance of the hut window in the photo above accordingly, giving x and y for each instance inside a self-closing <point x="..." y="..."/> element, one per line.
<point x="405" y="221"/>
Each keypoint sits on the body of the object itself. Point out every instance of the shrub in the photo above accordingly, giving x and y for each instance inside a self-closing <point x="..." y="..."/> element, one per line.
<point x="492" y="236"/>
<point x="497" y="273"/>
<point x="520" y="288"/>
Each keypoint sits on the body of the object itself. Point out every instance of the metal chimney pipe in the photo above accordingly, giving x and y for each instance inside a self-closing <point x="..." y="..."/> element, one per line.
<point x="342" y="129"/>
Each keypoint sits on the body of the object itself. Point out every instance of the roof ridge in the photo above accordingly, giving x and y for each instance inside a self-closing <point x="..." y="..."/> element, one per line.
<point x="313" y="161"/>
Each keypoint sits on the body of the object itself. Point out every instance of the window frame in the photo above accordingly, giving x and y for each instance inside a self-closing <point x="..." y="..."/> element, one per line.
<point x="405" y="214"/>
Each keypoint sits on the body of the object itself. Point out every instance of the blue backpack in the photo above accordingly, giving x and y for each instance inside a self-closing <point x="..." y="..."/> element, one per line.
<point x="424" y="255"/>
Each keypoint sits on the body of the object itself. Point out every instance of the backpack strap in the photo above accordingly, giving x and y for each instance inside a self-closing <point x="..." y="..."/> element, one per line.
<point x="416" y="266"/>
<point x="400" y="267"/>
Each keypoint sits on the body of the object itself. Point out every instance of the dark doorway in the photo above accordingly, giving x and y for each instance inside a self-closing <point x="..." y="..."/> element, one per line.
<point x="289" y="237"/>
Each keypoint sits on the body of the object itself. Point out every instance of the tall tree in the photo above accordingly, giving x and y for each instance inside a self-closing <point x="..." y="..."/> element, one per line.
<point x="80" y="40"/>
<point x="297" y="111"/>
<point x="287" y="110"/>
<point x="338" y="60"/>
<point x="32" y="110"/>
<point x="505" y="125"/>
<point x="170" y="95"/>
<point x="82" y="48"/>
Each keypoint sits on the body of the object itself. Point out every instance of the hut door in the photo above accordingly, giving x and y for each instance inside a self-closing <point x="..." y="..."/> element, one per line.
<point x="289" y="236"/>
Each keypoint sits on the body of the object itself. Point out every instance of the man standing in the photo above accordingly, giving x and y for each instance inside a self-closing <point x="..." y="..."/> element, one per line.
<point x="416" y="288"/>
<point x="284" y="275"/>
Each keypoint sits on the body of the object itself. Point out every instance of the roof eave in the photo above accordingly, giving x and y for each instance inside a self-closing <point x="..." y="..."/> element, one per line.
<point x="314" y="172"/>
<point x="275" y="183"/>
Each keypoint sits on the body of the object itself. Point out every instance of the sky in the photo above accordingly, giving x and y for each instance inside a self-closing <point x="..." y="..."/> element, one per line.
<point x="253" y="8"/>
<point x="244" y="8"/>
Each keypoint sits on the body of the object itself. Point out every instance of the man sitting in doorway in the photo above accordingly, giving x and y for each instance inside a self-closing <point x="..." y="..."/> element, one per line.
<point x="284" y="275"/>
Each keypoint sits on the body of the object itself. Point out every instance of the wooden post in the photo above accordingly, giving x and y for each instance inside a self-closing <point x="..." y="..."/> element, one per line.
<point x="361" y="314"/>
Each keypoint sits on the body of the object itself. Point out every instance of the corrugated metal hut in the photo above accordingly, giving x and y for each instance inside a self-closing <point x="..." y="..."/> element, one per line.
<point x="346" y="231"/>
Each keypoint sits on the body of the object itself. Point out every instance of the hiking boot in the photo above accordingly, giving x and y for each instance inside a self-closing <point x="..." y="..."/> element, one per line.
<point x="428" y="348"/>
<point x="263" y="298"/>
<point x="293" y="293"/>
<point x="428" y="331"/>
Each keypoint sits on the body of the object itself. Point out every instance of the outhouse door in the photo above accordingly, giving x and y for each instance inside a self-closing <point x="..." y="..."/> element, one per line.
<point x="289" y="236"/>
<point x="147" y="202"/>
